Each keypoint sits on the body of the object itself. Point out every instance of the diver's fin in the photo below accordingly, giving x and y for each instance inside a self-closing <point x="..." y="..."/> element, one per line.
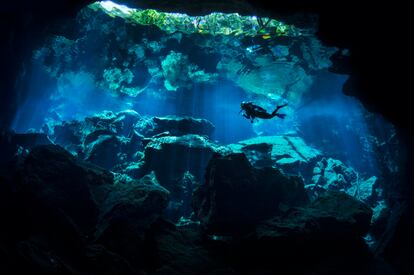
<point x="274" y="113"/>
<point x="282" y="116"/>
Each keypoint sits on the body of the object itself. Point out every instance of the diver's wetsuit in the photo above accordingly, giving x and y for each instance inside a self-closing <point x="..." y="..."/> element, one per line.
<point x="252" y="111"/>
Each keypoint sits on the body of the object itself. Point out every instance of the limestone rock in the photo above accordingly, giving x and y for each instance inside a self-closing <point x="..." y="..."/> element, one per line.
<point x="175" y="126"/>
<point x="171" y="156"/>
<point x="291" y="154"/>
<point x="236" y="196"/>
<point x="332" y="174"/>
<point x="333" y="215"/>
<point x="107" y="151"/>
<point x="127" y="214"/>
<point x="54" y="178"/>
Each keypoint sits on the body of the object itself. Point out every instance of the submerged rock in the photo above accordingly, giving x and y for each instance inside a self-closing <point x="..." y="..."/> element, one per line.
<point x="172" y="156"/>
<point x="84" y="132"/>
<point x="73" y="215"/>
<point x="181" y="196"/>
<point x="66" y="133"/>
<point x="327" y="237"/>
<point x="367" y="189"/>
<point x="55" y="179"/>
<point x="121" y="123"/>
<point x="55" y="210"/>
<point x="107" y="151"/>
<point x="178" y="163"/>
<point x="31" y="140"/>
<point x="175" y="126"/>
<point x="110" y="139"/>
<point x="100" y="260"/>
<point x="181" y="252"/>
<point x="14" y="144"/>
<point x="137" y="202"/>
<point x="332" y="174"/>
<point x="333" y="215"/>
<point x="291" y="154"/>
<point x="107" y="139"/>
<point x="111" y="150"/>
<point x="95" y="135"/>
<point x="236" y="196"/>
<point x="127" y="215"/>
<point x="125" y="122"/>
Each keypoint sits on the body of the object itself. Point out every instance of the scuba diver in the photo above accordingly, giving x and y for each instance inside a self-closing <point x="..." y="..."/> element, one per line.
<point x="252" y="111"/>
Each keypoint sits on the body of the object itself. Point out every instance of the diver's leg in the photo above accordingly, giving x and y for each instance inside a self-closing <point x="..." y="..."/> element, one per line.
<point x="278" y="108"/>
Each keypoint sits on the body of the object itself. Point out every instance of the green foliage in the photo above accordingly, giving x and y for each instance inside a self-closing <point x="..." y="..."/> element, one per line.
<point x="214" y="24"/>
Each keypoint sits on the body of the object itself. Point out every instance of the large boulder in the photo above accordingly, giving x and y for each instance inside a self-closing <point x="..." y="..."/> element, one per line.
<point x="128" y="214"/>
<point x="181" y="192"/>
<point x="326" y="236"/>
<point x="125" y="122"/>
<point x="368" y="189"/>
<point x="72" y="215"/>
<point x="107" y="151"/>
<point x="291" y="154"/>
<point x="14" y="144"/>
<point x="30" y="140"/>
<point x="99" y="260"/>
<point x="180" y="251"/>
<point x="68" y="134"/>
<point x="121" y="123"/>
<point x="332" y="174"/>
<point x="175" y="126"/>
<point x="95" y="135"/>
<point x="53" y="178"/>
<point x="55" y="201"/>
<point x="137" y="202"/>
<point x="178" y="163"/>
<point x="76" y="136"/>
<point x="236" y="196"/>
<point x="332" y="216"/>
<point x="172" y="156"/>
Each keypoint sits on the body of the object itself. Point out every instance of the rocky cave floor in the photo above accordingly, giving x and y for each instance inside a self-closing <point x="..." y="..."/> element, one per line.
<point x="121" y="193"/>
